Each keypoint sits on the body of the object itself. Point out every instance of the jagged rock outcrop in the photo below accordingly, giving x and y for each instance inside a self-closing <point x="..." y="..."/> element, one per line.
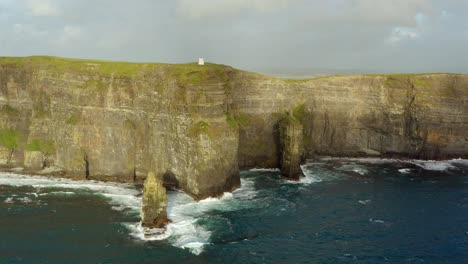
<point x="154" y="203"/>
<point x="291" y="142"/>
<point x="195" y="126"/>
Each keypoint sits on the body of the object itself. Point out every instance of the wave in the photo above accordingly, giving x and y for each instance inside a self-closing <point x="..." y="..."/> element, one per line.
<point x="184" y="212"/>
<point x="405" y="171"/>
<point x="433" y="165"/>
<point x="264" y="169"/>
<point x="430" y="165"/>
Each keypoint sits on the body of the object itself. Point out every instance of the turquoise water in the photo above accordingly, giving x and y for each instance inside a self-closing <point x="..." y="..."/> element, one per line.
<point x="348" y="211"/>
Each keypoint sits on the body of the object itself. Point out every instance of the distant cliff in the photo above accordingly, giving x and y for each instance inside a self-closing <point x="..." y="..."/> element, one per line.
<point x="195" y="126"/>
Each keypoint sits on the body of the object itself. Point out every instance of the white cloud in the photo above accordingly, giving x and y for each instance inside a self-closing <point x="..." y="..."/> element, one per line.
<point x="399" y="34"/>
<point x="198" y="9"/>
<point x="42" y="8"/>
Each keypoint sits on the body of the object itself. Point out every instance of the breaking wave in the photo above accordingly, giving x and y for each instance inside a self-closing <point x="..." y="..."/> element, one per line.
<point x="429" y="165"/>
<point x="184" y="212"/>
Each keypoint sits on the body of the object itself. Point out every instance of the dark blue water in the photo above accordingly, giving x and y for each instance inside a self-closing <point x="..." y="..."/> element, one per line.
<point x="342" y="212"/>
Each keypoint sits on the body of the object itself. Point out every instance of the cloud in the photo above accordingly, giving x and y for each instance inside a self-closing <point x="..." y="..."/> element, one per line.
<point x="399" y="34"/>
<point x="42" y="7"/>
<point x="199" y="9"/>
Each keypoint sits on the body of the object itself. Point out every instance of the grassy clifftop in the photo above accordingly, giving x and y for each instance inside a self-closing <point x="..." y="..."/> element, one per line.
<point x="189" y="73"/>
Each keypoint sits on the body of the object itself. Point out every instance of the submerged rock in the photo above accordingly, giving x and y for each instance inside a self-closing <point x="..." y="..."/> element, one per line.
<point x="154" y="203"/>
<point x="291" y="138"/>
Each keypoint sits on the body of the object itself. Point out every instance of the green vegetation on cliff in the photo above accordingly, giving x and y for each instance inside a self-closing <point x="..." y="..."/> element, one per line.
<point x="184" y="74"/>
<point x="9" y="140"/>
<point x="44" y="146"/>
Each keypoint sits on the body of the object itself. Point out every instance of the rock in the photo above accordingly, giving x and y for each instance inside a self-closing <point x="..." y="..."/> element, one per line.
<point x="118" y="121"/>
<point x="369" y="152"/>
<point x="18" y="169"/>
<point x="291" y="140"/>
<point x="154" y="203"/>
<point x="50" y="170"/>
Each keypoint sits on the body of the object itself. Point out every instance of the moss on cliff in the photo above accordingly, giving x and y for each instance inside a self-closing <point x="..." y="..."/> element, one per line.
<point x="42" y="145"/>
<point x="8" y="138"/>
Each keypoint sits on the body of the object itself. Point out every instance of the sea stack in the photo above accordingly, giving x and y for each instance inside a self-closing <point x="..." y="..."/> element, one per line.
<point x="154" y="203"/>
<point x="291" y="138"/>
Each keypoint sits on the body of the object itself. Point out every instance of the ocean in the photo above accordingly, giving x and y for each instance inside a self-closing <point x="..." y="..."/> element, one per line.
<point x="342" y="211"/>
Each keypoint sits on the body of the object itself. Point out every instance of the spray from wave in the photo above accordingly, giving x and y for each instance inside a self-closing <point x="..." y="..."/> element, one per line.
<point x="184" y="231"/>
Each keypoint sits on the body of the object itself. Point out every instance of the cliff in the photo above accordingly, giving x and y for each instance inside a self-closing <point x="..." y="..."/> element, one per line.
<point x="195" y="126"/>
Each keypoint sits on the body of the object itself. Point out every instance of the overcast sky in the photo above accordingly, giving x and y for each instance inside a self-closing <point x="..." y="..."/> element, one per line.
<point x="373" y="35"/>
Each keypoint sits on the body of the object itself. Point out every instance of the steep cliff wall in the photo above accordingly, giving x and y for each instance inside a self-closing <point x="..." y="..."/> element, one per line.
<point x="195" y="125"/>
<point x="119" y="121"/>
<point x="422" y="116"/>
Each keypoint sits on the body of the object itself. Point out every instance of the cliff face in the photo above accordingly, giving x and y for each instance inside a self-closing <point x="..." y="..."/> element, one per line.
<point x="195" y="125"/>
<point x="418" y="116"/>
<point x="118" y="121"/>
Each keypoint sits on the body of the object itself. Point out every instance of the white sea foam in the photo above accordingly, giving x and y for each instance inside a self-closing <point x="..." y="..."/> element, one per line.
<point x="404" y="171"/>
<point x="433" y="165"/>
<point x="359" y="169"/>
<point x="364" y="201"/>
<point x="263" y="169"/>
<point x="57" y="193"/>
<point x="309" y="176"/>
<point x="9" y="200"/>
<point x="362" y="160"/>
<point x="24" y="200"/>
<point x="460" y="162"/>
<point x="183" y="211"/>
<point x="377" y="221"/>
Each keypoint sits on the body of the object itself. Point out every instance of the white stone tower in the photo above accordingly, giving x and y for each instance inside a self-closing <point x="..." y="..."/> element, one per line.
<point x="201" y="61"/>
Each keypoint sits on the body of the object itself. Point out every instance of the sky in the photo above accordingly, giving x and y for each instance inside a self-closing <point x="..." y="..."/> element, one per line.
<point x="261" y="35"/>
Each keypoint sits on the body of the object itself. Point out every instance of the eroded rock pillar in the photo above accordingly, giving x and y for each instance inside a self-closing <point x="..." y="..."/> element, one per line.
<point x="154" y="203"/>
<point x="291" y="140"/>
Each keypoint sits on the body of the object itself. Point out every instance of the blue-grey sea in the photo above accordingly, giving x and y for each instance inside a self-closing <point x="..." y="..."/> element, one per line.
<point x="342" y="211"/>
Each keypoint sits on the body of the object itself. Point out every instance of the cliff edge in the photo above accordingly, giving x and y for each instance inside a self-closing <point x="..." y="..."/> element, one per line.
<point x="195" y="126"/>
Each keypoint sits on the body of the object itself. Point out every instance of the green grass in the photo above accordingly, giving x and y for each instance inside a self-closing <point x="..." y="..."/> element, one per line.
<point x="9" y="138"/>
<point x="195" y="74"/>
<point x="190" y="73"/>
<point x="44" y="146"/>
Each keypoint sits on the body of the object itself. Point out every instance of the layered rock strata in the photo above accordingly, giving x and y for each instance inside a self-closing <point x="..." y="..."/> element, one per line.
<point x="291" y="142"/>
<point x="195" y="126"/>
